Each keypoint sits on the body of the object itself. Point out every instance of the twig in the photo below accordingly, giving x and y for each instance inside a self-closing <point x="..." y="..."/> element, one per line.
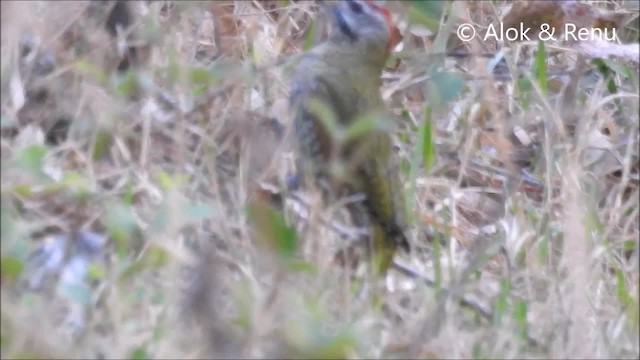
<point x="432" y="322"/>
<point x="351" y="234"/>
<point x="464" y="302"/>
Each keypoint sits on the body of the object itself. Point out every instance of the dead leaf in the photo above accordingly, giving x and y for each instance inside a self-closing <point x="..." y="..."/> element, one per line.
<point x="558" y="14"/>
<point x="532" y="14"/>
<point x="587" y="16"/>
<point x="600" y="156"/>
<point x="226" y="27"/>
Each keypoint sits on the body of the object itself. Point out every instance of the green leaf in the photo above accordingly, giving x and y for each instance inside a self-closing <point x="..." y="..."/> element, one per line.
<point x="621" y="290"/>
<point x="271" y="229"/>
<point x="520" y="316"/>
<point x="540" y="66"/>
<point x="405" y="167"/>
<point x="200" y="76"/>
<point x="168" y="181"/>
<point x="85" y="67"/>
<point x="22" y="189"/>
<point x="173" y="71"/>
<point x="154" y="257"/>
<point x="151" y="30"/>
<point x="428" y="147"/>
<point x="326" y="116"/>
<point x="121" y="224"/>
<point x="478" y="352"/>
<point x="309" y="338"/>
<point x="11" y="267"/>
<point x="443" y="87"/>
<point x="128" y="84"/>
<point x="76" y="182"/>
<point x="424" y="149"/>
<point x="197" y="211"/>
<point x="607" y="72"/>
<point x="95" y="272"/>
<point x="336" y="347"/>
<point x="198" y="90"/>
<point x="243" y="298"/>
<point x="176" y="211"/>
<point x="31" y="159"/>
<point x="543" y="250"/>
<point x="139" y="353"/>
<point x="77" y="292"/>
<point x="101" y="144"/>
<point x="365" y="125"/>
<point x="427" y="13"/>
<point x="620" y="69"/>
<point x="310" y="36"/>
<point x="629" y="245"/>
<point x="501" y="301"/>
<point x="127" y="194"/>
<point x="524" y="88"/>
<point x="164" y="180"/>
<point x="158" y="334"/>
<point x="298" y="265"/>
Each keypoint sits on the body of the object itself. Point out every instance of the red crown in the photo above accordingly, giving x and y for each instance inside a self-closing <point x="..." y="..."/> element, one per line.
<point x="393" y="34"/>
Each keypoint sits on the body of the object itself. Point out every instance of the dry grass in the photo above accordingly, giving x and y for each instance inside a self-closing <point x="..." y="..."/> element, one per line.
<point x="124" y="193"/>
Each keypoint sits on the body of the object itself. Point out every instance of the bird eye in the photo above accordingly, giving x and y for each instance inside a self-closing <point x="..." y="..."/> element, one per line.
<point x="355" y="7"/>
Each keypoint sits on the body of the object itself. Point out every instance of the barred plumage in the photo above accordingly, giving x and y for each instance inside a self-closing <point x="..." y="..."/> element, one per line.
<point x="344" y="75"/>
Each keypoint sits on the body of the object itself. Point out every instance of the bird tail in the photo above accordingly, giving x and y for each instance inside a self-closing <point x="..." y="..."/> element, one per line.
<point x="383" y="247"/>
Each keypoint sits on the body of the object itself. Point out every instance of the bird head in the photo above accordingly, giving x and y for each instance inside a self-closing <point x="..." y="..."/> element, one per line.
<point x="364" y="25"/>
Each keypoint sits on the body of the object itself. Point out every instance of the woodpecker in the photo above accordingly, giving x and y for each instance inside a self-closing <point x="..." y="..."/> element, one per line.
<point x="343" y="74"/>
